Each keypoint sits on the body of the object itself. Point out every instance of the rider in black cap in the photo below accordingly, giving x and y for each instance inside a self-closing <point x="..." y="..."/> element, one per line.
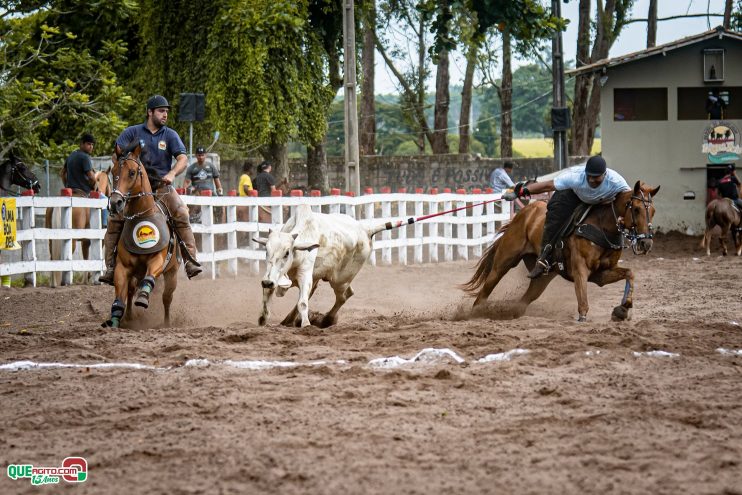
<point x="161" y="145"/>
<point x="592" y="184"/>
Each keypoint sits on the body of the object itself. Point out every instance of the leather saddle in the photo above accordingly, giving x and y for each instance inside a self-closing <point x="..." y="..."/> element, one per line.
<point x="576" y="224"/>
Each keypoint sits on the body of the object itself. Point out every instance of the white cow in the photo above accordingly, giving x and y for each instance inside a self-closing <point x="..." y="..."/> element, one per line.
<point x="312" y="247"/>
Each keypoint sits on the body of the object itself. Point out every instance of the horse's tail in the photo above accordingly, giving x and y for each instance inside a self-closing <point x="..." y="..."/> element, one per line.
<point x="485" y="265"/>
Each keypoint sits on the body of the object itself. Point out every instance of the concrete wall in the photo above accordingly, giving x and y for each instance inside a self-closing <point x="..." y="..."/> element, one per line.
<point x="426" y="171"/>
<point x="666" y="153"/>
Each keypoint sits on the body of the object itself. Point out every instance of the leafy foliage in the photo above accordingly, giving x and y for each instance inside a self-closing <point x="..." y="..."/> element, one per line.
<point x="57" y="83"/>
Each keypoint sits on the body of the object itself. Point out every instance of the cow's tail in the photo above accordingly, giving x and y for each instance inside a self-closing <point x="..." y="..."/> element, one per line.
<point x="372" y="231"/>
<point x="485" y="265"/>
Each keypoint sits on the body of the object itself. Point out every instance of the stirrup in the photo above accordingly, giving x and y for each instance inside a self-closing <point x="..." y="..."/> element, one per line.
<point x="541" y="268"/>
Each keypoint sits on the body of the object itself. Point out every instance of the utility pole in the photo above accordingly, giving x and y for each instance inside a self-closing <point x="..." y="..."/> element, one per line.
<point x="352" y="155"/>
<point x="559" y="111"/>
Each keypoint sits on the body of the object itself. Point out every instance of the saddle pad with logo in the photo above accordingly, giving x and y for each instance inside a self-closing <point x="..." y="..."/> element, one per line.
<point x="146" y="235"/>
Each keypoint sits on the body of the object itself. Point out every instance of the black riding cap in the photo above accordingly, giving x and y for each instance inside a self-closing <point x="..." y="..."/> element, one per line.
<point x="595" y="166"/>
<point x="157" y="101"/>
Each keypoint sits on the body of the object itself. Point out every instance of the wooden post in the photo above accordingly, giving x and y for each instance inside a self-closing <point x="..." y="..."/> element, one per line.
<point x="28" y="252"/>
<point x="476" y="230"/>
<point x="96" y="245"/>
<point x="433" y="231"/>
<point x="419" y="229"/>
<point x="67" y="275"/>
<point x="462" y="250"/>
<point x="386" y="253"/>
<point x="368" y="214"/>
<point x="207" y="240"/>
<point x="402" y="231"/>
<point x="447" y="233"/>
<point x="232" y="238"/>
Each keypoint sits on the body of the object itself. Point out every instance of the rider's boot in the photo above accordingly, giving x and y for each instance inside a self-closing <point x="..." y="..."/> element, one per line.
<point x="113" y="232"/>
<point x="542" y="263"/>
<point x="184" y="231"/>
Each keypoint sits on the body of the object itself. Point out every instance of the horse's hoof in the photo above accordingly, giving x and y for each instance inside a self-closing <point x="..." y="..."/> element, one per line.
<point x="262" y="321"/>
<point x="581" y="319"/>
<point x="112" y="323"/>
<point x="328" y="321"/>
<point x="142" y="300"/>
<point x="620" y="313"/>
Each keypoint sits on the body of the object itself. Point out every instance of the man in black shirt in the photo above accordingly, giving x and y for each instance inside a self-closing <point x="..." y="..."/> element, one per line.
<point x="264" y="183"/>
<point x="729" y="186"/>
<point x="78" y="172"/>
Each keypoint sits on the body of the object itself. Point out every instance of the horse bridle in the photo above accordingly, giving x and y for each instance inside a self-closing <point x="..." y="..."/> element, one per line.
<point x="631" y="234"/>
<point x="126" y="197"/>
<point x="15" y="171"/>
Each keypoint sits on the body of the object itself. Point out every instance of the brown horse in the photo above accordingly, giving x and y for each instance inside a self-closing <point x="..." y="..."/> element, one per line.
<point x="629" y="218"/>
<point x="722" y="212"/>
<point x="140" y="257"/>
<point x="80" y="220"/>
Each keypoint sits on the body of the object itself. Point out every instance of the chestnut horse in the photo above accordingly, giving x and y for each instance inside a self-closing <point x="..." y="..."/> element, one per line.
<point x="722" y="212"/>
<point x="628" y="218"/>
<point x="80" y="220"/>
<point x="132" y="197"/>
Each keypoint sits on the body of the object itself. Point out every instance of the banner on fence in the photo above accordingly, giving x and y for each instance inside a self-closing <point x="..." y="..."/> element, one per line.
<point x="7" y="236"/>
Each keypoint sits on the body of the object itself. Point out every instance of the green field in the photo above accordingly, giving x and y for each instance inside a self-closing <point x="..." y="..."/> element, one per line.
<point x="541" y="147"/>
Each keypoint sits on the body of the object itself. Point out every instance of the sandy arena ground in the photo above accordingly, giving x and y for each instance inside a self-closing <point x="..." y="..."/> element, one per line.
<point x="578" y="413"/>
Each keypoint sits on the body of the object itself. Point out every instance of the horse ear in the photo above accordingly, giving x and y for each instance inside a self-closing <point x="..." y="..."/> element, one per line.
<point x="654" y="191"/>
<point x="108" y="170"/>
<point x="637" y="188"/>
<point x="117" y="151"/>
<point x="260" y="241"/>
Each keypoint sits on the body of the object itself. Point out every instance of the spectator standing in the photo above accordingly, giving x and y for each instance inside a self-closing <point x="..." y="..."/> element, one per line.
<point x="500" y="177"/>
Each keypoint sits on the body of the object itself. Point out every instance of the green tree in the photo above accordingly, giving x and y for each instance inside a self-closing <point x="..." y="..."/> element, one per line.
<point x="55" y="85"/>
<point x="275" y="87"/>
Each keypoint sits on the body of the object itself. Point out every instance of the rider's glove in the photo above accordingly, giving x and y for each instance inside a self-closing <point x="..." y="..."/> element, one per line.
<point x="220" y="192"/>
<point x="520" y="190"/>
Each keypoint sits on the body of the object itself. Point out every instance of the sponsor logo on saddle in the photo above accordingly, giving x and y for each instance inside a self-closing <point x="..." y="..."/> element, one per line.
<point x="162" y="145"/>
<point x="146" y="235"/>
<point x="72" y="470"/>
<point x="721" y="142"/>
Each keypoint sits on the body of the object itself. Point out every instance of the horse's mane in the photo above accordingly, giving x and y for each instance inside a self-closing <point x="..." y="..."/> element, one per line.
<point x="131" y="147"/>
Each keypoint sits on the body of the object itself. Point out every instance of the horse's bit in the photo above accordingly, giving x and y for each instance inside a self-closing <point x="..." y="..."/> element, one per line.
<point x="631" y="234"/>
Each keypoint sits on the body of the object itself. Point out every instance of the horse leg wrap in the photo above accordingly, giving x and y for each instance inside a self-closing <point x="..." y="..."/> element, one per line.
<point x="117" y="313"/>
<point x="145" y="289"/>
<point x="625" y="293"/>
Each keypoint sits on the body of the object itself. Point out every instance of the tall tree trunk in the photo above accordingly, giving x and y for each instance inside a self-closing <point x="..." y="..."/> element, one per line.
<point x="506" y="99"/>
<point x="727" y="14"/>
<point x="317" y="168"/>
<point x="277" y="154"/>
<point x="442" y="100"/>
<point x="582" y="83"/>
<point x="368" y="105"/>
<point x="606" y="34"/>
<point x="466" y="95"/>
<point x="652" y="24"/>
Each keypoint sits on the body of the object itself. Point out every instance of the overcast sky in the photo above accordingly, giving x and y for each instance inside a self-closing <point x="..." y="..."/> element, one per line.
<point x="632" y="38"/>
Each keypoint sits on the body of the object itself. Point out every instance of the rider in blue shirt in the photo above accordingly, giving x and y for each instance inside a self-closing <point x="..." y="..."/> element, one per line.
<point x="161" y="146"/>
<point x="593" y="184"/>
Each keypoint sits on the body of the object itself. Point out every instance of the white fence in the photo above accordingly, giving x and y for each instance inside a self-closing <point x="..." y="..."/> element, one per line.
<point x="229" y="223"/>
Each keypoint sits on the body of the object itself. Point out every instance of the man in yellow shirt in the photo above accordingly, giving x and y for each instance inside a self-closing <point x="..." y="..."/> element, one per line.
<point x="244" y="187"/>
<point x="245" y="181"/>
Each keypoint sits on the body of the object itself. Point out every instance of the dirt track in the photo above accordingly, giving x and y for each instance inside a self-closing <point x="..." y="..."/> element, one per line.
<point x="554" y="420"/>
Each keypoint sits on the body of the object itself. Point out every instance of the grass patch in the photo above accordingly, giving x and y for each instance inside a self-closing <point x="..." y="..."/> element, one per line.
<point x="542" y="147"/>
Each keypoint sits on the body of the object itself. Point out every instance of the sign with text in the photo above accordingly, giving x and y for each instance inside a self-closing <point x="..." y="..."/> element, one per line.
<point x="7" y="234"/>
